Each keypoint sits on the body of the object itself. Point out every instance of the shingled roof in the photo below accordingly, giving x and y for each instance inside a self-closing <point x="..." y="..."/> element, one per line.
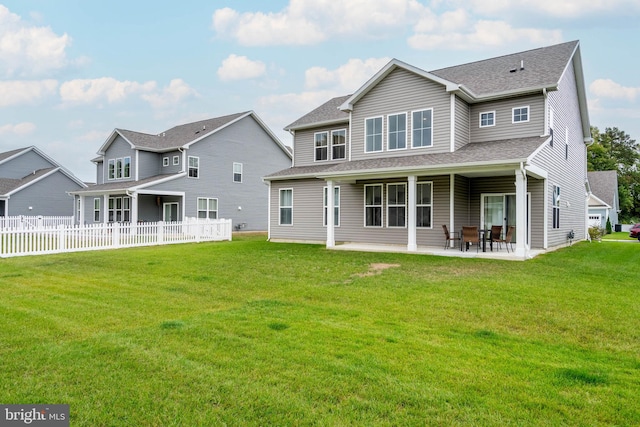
<point x="327" y="113"/>
<point x="8" y="185"/>
<point x="604" y="185"/>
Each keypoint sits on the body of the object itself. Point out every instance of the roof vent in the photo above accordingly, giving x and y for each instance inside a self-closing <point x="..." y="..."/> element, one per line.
<point x="204" y="127"/>
<point x="521" y="64"/>
<point x="513" y="70"/>
<point x="164" y="134"/>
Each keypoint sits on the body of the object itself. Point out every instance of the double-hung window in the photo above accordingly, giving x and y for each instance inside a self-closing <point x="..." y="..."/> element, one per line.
<point x="396" y="205"/>
<point x="336" y="206"/>
<point x="237" y="172"/>
<point x="373" y="134"/>
<point x="487" y="119"/>
<point x="286" y="206"/>
<point x="127" y="168"/>
<point x="176" y="161"/>
<point x="422" y="128"/>
<point x="556" y="206"/>
<point x="338" y="144"/>
<point x="118" y="168"/>
<point x="96" y="210"/>
<point x="207" y="208"/>
<point x="373" y="205"/>
<point x="321" y="142"/>
<point x="424" y="197"/>
<point x="111" y="168"/>
<point x="165" y="162"/>
<point x="194" y="167"/>
<point x="521" y="114"/>
<point x="397" y="131"/>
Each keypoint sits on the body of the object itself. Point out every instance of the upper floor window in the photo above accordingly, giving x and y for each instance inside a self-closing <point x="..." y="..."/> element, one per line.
<point x="422" y="128"/>
<point x="521" y="114"/>
<point x="373" y="205"/>
<point x="176" y="161"/>
<point x="338" y="144"/>
<point x="194" y="167"/>
<point x="286" y="206"/>
<point x="396" y="205"/>
<point x="373" y="134"/>
<point x="321" y="141"/>
<point x="207" y="208"/>
<point x="237" y="172"/>
<point x="119" y="168"/>
<point x="397" y="131"/>
<point x="487" y="119"/>
<point x="424" y="202"/>
<point x="165" y="161"/>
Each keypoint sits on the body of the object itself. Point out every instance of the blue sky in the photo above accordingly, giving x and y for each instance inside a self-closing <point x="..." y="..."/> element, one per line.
<point x="73" y="70"/>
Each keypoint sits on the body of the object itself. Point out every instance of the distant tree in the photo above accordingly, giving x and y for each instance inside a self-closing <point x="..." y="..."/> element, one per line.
<point x="614" y="149"/>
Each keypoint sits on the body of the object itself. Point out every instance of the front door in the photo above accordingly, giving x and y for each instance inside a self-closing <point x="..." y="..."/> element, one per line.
<point x="170" y="212"/>
<point x="500" y="209"/>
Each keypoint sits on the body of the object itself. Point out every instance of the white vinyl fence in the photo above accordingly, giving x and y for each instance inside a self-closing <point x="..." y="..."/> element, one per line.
<point x="23" y="222"/>
<point x="50" y="240"/>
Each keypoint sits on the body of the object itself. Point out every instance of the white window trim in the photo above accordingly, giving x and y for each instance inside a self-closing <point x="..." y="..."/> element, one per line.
<point x="389" y="205"/>
<point x="189" y="167"/>
<point x="110" y="176"/>
<point x="234" y="172"/>
<point x="480" y="119"/>
<point x="406" y="131"/>
<point x="381" y="134"/>
<point x="176" y="160"/>
<point x="165" y="162"/>
<point x="432" y="126"/>
<point x="513" y="112"/>
<point x="381" y="206"/>
<point x="423" y="205"/>
<point x="207" y="210"/>
<point x="315" y="146"/>
<point x="280" y="207"/>
<point x="333" y="145"/>
<point x="324" y="205"/>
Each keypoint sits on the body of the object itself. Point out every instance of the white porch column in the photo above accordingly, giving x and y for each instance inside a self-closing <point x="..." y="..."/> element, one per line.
<point x="331" y="241"/>
<point x="134" y="207"/>
<point x="412" y="245"/>
<point x="105" y="208"/>
<point x="522" y="249"/>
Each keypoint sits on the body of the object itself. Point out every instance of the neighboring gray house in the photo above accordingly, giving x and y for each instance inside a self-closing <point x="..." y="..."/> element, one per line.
<point x="206" y="169"/>
<point x="603" y="199"/>
<point x="33" y="184"/>
<point x="493" y="142"/>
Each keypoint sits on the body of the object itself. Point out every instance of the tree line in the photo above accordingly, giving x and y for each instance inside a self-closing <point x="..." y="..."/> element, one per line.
<point x="614" y="149"/>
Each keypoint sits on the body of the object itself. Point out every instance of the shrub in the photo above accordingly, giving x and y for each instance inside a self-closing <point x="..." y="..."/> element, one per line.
<point x="596" y="233"/>
<point x="609" y="226"/>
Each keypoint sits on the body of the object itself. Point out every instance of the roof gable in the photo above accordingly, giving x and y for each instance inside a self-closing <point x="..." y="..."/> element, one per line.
<point x="604" y="185"/>
<point x="327" y="113"/>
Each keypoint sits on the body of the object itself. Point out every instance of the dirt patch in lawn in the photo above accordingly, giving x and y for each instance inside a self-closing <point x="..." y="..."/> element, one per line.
<point x="377" y="268"/>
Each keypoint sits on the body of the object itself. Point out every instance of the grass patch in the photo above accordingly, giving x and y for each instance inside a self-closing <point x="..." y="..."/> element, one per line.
<point x="256" y="333"/>
<point x="619" y="235"/>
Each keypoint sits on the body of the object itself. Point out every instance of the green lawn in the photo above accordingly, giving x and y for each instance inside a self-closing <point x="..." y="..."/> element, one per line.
<point x="255" y="333"/>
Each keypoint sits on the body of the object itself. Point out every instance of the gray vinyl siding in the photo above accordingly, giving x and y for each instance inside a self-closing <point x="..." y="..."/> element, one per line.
<point x="24" y="165"/>
<point x="119" y="148"/>
<point x="149" y="164"/>
<point x="570" y="174"/>
<point x="461" y="202"/>
<point x="504" y="128"/>
<point x="308" y="213"/>
<point x="461" y="123"/>
<point x="46" y="197"/>
<point x="402" y="91"/>
<point x="304" y="152"/>
<point x="246" y="202"/>
<point x="171" y="168"/>
<point x="100" y="176"/>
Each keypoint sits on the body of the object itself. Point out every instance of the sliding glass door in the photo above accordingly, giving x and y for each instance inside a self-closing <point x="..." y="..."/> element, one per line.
<point x="500" y="209"/>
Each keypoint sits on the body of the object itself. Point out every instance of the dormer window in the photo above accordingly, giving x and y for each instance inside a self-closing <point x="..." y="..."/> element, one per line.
<point x="373" y="134"/>
<point x="338" y="144"/>
<point x="422" y="128"/>
<point x="397" y="131"/>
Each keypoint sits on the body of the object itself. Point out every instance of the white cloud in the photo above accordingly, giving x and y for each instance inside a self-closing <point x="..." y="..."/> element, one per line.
<point x="571" y="9"/>
<point x="482" y="34"/>
<point x="29" y="50"/>
<point x="306" y="22"/>
<point x="171" y="95"/>
<point x="346" y="78"/>
<point x="88" y="91"/>
<point x="17" y="92"/>
<point x="95" y="136"/>
<point x="19" y="129"/>
<point x="236" y="67"/>
<point x="607" y="88"/>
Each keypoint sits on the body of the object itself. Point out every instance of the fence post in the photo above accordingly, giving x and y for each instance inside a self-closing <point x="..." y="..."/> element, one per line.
<point x="160" y="225"/>
<point x="62" y="239"/>
<point x="115" y="235"/>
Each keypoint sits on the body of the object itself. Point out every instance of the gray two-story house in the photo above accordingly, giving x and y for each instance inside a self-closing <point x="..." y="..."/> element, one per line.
<point x="206" y="169"/>
<point x="494" y="142"/>
<point x="34" y="184"/>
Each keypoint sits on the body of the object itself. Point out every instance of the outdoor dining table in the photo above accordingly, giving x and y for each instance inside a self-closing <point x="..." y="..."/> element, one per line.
<point x="483" y="234"/>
